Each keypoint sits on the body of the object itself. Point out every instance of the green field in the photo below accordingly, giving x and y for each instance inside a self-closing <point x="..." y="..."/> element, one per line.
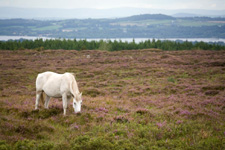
<point x="179" y="22"/>
<point x="52" y="27"/>
<point x="198" y="23"/>
<point x="143" y="23"/>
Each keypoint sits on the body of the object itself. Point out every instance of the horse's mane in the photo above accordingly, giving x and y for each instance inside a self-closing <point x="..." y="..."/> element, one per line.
<point x="74" y="86"/>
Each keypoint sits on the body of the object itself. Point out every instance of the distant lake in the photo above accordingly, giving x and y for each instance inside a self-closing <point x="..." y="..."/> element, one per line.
<point x="137" y="40"/>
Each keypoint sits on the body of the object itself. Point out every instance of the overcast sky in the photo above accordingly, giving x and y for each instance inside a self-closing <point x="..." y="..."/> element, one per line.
<point x="105" y="4"/>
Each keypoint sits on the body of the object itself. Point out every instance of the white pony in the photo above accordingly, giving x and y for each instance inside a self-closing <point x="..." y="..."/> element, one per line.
<point x="57" y="86"/>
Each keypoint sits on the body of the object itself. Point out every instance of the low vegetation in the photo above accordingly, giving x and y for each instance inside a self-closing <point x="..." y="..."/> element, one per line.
<point x="134" y="99"/>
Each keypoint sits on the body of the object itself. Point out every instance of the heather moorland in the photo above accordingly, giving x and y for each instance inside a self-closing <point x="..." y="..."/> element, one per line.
<point x="132" y="99"/>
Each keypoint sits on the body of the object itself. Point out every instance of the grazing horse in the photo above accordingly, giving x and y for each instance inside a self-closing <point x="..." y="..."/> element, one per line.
<point x="57" y="86"/>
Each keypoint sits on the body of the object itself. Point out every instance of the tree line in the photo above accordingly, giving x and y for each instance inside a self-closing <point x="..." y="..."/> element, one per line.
<point x="109" y="45"/>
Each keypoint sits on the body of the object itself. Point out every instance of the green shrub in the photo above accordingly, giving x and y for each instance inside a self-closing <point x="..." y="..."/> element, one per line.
<point x="45" y="146"/>
<point x="125" y="144"/>
<point x="25" y="145"/>
<point x="62" y="146"/>
<point x="4" y="146"/>
<point x="209" y="144"/>
<point x="87" y="143"/>
<point x="171" y="79"/>
<point x="39" y="49"/>
<point x="33" y="145"/>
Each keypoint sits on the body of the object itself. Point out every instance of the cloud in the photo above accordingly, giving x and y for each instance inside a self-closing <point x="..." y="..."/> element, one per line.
<point x="105" y="4"/>
<point x="213" y="5"/>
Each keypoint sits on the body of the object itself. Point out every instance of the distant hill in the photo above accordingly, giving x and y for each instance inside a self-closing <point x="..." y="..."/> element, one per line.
<point x="84" y="13"/>
<point x="147" y="17"/>
<point x="185" y="15"/>
<point x="137" y="26"/>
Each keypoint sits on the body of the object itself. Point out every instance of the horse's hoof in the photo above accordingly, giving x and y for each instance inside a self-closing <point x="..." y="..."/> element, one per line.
<point x="35" y="110"/>
<point x="78" y="113"/>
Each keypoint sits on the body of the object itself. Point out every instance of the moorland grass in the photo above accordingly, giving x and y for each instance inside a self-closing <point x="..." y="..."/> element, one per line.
<point x="131" y="100"/>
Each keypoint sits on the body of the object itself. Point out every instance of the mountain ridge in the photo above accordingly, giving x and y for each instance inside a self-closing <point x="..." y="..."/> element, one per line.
<point x="84" y="13"/>
<point x="137" y="26"/>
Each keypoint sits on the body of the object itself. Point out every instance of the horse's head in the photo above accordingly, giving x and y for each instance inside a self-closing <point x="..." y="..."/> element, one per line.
<point x="77" y="101"/>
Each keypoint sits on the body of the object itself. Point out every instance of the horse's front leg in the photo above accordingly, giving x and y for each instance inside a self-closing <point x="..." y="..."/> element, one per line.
<point x="64" y="99"/>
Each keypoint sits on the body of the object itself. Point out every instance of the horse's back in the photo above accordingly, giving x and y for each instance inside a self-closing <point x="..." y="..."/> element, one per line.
<point x="42" y="78"/>
<point x="50" y="80"/>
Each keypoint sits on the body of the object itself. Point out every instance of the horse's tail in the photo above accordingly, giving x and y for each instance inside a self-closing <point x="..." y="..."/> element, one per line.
<point x="42" y="98"/>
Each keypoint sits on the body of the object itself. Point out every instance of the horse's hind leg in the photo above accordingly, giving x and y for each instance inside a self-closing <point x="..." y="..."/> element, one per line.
<point x="38" y="97"/>
<point x="47" y="101"/>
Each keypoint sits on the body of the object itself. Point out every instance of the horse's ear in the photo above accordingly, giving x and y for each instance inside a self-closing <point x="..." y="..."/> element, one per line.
<point x="73" y="74"/>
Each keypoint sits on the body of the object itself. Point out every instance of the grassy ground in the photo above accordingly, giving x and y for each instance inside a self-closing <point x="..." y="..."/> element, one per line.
<point x="139" y="99"/>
